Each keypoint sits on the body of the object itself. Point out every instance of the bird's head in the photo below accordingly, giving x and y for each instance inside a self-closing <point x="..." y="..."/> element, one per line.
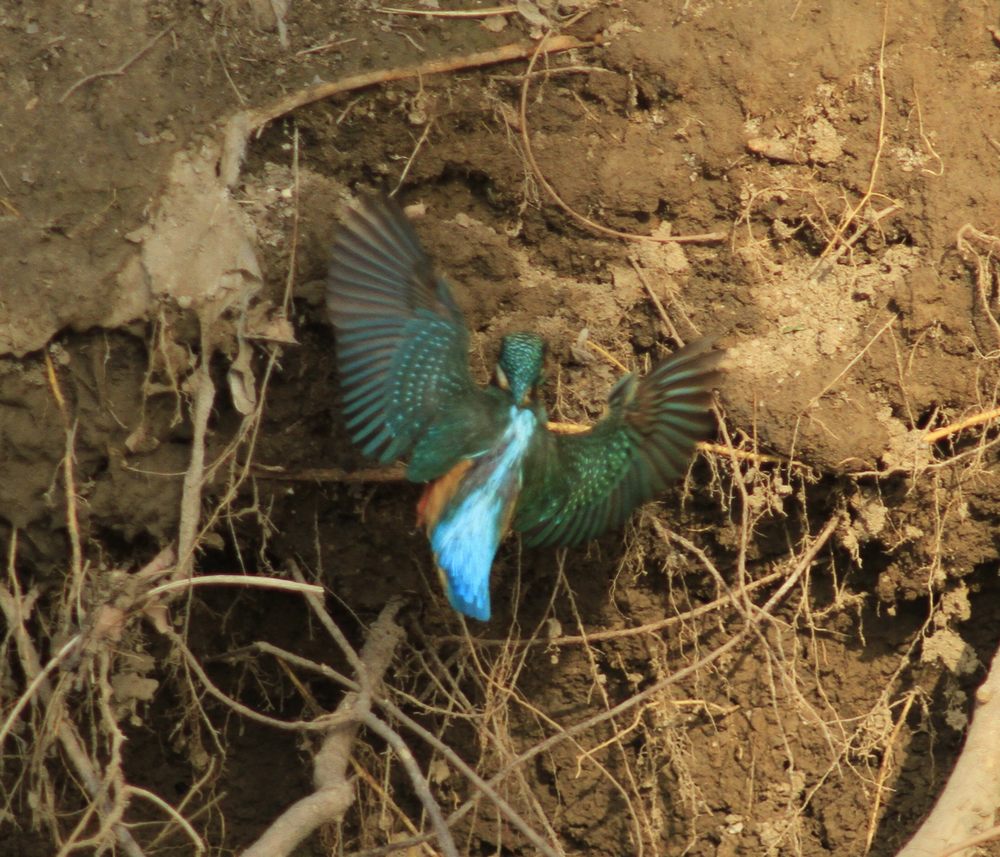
<point x="519" y="368"/>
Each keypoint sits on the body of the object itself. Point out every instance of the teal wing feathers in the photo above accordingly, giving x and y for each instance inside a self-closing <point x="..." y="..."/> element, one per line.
<point x="578" y="485"/>
<point x="402" y="347"/>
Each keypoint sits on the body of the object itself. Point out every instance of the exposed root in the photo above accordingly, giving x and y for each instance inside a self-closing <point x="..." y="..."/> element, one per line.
<point x="247" y="122"/>
<point x="334" y="792"/>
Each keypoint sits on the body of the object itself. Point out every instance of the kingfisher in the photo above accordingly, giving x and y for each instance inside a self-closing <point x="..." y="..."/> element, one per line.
<point x="490" y="458"/>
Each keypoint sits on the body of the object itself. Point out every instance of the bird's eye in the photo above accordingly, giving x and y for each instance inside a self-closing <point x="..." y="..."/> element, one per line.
<point x="502" y="381"/>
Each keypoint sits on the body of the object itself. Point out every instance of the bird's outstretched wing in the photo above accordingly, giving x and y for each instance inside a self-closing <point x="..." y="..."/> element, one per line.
<point x="402" y="346"/>
<point x="578" y="485"/>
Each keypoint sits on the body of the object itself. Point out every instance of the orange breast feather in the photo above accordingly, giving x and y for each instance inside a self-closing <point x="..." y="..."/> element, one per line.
<point x="437" y="494"/>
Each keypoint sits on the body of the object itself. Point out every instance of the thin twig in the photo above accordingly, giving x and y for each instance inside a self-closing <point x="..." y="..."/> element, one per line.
<point x="821" y="268"/>
<point x="486" y="12"/>
<point x="322" y="724"/>
<point x="179" y="819"/>
<point x="243" y="580"/>
<point x="40" y="679"/>
<point x="293" y="243"/>
<point x="409" y="161"/>
<point x="395" y="473"/>
<point x="851" y="363"/>
<point x="119" y="70"/>
<point x="76" y="575"/>
<point x="617" y="634"/>
<point x="884" y="768"/>
<point x="326" y="46"/>
<point x="338" y="636"/>
<point x="418" y="781"/>
<point x="656" y="301"/>
<point x="607" y="355"/>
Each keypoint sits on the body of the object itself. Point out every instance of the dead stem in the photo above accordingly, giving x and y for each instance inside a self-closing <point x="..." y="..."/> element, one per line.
<point x="395" y="473"/>
<point x="73" y="610"/>
<point x="885" y="767"/>
<point x="850" y="364"/>
<point x="639" y="630"/>
<point x="242" y="580"/>
<point x="656" y="301"/>
<point x="968" y="422"/>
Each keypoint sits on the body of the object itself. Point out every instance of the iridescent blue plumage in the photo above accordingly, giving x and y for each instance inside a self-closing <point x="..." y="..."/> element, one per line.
<point x="467" y="534"/>
<point x="488" y="454"/>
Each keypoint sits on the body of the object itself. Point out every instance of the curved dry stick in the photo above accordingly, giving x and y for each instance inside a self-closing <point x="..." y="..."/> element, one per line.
<point x="69" y="647"/>
<point x="242" y="580"/>
<point x="970" y="801"/>
<point x="968" y="422"/>
<point x="118" y="70"/>
<point x="529" y="155"/>
<point x="489" y="12"/>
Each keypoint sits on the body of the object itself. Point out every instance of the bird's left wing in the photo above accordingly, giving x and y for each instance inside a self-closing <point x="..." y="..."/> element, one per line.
<point x="402" y="344"/>
<point x="578" y="485"/>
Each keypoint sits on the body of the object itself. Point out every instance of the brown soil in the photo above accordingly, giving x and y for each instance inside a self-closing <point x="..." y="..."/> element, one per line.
<point x="856" y="184"/>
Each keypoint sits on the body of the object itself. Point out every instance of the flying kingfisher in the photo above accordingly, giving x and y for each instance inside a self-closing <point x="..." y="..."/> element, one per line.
<point x="489" y="456"/>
